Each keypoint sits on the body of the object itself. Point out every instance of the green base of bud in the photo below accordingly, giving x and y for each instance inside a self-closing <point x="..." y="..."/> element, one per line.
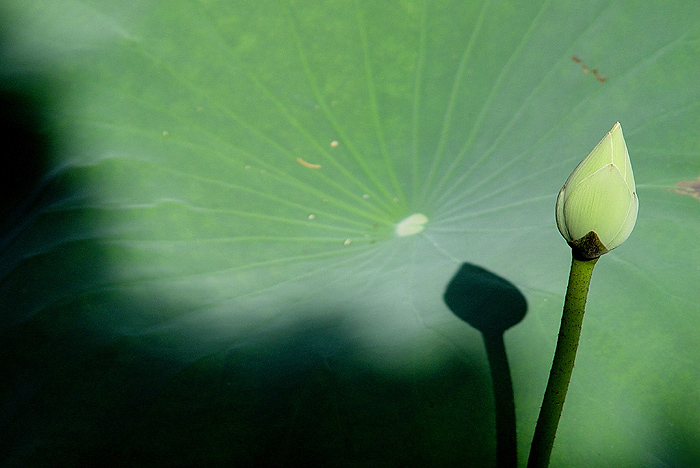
<point x="589" y="247"/>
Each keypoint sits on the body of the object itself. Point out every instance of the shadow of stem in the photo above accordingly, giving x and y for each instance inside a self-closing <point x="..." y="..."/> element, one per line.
<point x="506" y="443"/>
<point x="492" y="305"/>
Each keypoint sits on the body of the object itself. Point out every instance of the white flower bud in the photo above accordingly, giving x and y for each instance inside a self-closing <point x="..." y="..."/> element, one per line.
<point x="597" y="206"/>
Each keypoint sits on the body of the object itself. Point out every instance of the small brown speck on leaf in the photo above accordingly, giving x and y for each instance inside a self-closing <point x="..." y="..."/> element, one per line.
<point x="308" y="164"/>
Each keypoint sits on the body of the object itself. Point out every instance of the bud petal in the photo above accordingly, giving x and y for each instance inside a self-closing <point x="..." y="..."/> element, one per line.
<point x="599" y="197"/>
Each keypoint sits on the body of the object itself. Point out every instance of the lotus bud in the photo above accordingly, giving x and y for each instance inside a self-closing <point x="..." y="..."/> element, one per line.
<point x="597" y="206"/>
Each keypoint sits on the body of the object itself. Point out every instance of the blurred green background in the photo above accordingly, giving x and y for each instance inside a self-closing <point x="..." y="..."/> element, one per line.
<point x="182" y="285"/>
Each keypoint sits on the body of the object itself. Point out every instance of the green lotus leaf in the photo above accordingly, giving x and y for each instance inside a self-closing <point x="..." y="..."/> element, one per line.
<point x="250" y="212"/>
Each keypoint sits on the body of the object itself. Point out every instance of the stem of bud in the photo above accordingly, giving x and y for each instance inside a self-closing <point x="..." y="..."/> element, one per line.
<point x="563" y="364"/>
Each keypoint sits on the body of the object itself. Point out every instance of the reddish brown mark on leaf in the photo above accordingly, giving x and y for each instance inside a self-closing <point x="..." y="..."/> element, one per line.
<point x="589" y="71"/>
<point x="688" y="187"/>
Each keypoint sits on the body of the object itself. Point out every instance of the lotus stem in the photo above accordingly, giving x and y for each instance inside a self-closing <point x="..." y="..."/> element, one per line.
<point x="563" y="363"/>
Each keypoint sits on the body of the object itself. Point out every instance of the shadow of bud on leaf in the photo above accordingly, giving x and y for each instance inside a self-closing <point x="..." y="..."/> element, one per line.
<point x="492" y="305"/>
<point x="485" y="301"/>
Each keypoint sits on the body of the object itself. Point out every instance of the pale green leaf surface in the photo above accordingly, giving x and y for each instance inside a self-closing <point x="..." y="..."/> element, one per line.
<point x="183" y="290"/>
